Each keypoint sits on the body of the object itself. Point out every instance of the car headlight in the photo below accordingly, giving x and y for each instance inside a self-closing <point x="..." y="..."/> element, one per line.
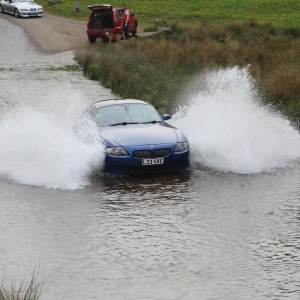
<point x="180" y="147"/>
<point x="117" y="151"/>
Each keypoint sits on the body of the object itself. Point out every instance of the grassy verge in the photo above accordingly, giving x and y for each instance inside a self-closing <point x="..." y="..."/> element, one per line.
<point x="281" y="13"/>
<point x="154" y="69"/>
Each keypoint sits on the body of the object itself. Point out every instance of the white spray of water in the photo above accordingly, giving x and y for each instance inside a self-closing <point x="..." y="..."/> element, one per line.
<point x="229" y="130"/>
<point x="44" y="149"/>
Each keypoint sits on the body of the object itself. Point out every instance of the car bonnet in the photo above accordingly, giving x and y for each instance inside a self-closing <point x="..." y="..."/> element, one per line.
<point x="27" y="5"/>
<point x="140" y="134"/>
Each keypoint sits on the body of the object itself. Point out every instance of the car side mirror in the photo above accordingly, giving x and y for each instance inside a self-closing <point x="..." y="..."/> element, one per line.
<point x="166" y="117"/>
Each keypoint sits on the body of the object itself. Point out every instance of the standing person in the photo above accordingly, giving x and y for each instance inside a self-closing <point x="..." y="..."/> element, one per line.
<point x="77" y="8"/>
<point x="126" y="16"/>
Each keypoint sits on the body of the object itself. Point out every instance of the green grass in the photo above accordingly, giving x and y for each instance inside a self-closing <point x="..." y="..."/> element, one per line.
<point x="281" y="13"/>
<point x="68" y="68"/>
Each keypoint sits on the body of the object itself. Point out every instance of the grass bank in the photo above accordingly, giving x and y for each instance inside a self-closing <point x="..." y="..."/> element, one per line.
<point x="192" y="12"/>
<point x="207" y="34"/>
<point x="155" y="69"/>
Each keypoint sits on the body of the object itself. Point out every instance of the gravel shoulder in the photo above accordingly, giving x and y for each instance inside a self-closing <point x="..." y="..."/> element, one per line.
<point x="52" y="33"/>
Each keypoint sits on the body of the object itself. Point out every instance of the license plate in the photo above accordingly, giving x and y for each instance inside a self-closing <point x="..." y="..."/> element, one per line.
<point x="153" y="161"/>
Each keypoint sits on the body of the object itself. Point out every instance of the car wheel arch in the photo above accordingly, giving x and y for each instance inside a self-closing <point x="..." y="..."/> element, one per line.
<point x="134" y="31"/>
<point x="92" y="39"/>
<point x="16" y="13"/>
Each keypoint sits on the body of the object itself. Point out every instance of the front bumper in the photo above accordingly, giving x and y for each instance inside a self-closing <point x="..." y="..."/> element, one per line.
<point x="129" y="165"/>
<point x="30" y="14"/>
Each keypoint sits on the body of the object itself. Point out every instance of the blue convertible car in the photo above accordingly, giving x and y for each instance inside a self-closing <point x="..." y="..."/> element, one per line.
<point x="138" y="140"/>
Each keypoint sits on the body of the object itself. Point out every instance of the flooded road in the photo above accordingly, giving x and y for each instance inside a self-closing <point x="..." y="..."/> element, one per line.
<point x="228" y="228"/>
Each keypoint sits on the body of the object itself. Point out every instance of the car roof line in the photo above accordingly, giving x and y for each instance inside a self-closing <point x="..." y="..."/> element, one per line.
<point x="109" y="100"/>
<point x="118" y="101"/>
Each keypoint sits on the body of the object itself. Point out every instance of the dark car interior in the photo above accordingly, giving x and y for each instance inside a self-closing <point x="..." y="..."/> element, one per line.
<point x="102" y="20"/>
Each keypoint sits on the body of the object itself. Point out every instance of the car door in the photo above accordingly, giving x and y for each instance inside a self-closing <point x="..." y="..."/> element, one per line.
<point x="119" y="20"/>
<point x="132" y="22"/>
<point x="9" y="6"/>
<point x="5" y="5"/>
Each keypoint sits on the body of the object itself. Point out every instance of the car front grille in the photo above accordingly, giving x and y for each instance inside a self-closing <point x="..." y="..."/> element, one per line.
<point x="152" y="153"/>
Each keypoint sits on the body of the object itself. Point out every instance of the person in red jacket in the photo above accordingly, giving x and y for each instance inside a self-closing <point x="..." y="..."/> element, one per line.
<point x="126" y="16"/>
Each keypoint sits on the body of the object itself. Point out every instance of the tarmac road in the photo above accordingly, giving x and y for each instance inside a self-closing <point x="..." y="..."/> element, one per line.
<point x="52" y="33"/>
<point x="56" y="34"/>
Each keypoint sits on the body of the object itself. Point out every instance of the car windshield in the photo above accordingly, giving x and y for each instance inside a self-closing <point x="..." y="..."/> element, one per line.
<point x="17" y="1"/>
<point x="123" y="114"/>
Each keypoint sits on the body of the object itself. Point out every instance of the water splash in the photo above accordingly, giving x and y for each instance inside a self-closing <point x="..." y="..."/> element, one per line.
<point x="44" y="150"/>
<point x="230" y="130"/>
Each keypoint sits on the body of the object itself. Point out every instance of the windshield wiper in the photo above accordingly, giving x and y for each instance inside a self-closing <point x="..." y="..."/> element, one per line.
<point x="151" y="122"/>
<point x="123" y="123"/>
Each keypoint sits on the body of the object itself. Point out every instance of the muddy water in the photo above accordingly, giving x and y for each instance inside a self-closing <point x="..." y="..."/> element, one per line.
<point x="228" y="228"/>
